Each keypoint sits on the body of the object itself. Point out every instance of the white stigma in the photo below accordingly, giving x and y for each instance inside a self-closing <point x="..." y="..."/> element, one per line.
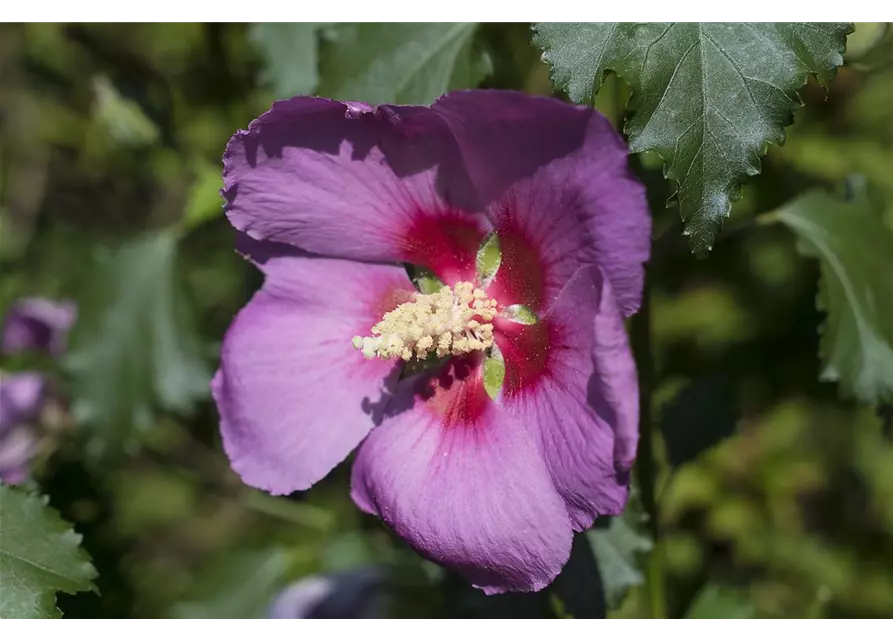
<point x="453" y="321"/>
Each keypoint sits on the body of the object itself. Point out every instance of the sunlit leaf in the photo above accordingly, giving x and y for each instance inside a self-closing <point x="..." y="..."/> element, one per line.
<point x="620" y="548"/>
<point x="204" y="202"/>
<point x="134" y="348"/>
<point x="425" y="280"/>
<point x="855" y="250"/>
<point x="716" y="602"/>
<point x="123" y="118"/>
<point x="708" y="97"/>
<point x="290" y="53"/>
<point x="402" y="63"/>
<point x="40" y="554"/>
<point x="489" y="257"/>
<point x="519" y="313"/>
<point x="494" y="372"/>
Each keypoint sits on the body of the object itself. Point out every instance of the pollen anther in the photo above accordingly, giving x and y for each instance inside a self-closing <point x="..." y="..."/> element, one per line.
<point x="452" y="321"/>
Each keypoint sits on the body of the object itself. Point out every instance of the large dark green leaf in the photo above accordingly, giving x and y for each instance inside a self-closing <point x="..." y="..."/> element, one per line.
<point x="716" y="602"/>
<point x="856" y="287"/>
<point x="134" y="348"/>
<point x="40" y="554"/>
<point x="703" y="414"/>
<point x="619" y="548"/>
<point x="402" y="63"/>
<point x="290" y="53"/>
<point x="707" y="97"/>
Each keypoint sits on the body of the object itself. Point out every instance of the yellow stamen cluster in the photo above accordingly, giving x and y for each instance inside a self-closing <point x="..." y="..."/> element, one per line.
<point x="452" y="321"/>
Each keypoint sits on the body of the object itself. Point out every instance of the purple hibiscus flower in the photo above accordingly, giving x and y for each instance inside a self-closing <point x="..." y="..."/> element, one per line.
<point x="41" y="325"/>
<point x="333" y="200"/>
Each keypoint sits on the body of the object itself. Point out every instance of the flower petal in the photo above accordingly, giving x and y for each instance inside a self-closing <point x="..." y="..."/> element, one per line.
<point x="558" y="190"/>
<point x="293" y="394"/>
<point x="17" y="447"/>
<point x="351" y="181"/>
<point x="571" y="379"/>
<point x="37" y="323"/>
<point x="21" y="398"/>
<point x="464" y="483"/>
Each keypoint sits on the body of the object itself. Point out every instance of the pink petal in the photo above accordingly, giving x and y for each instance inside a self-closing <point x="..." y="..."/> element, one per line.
<point x="294" y="396"/>
<point x="571" y="379"/>
<point x="557" y="187"/>
<point x="464" y="483"/>
<point x="350" y="181"/>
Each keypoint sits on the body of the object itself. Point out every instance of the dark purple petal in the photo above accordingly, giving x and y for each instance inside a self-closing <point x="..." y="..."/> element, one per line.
<point x="558" y="189"/>
<point x="350" y="181"/>
<point x="21" y="398"/>
<point x="571" y="379"/>
<point x="37" y="323"/>
<point x="293" y="394"/>
<point x="464" y="483"/>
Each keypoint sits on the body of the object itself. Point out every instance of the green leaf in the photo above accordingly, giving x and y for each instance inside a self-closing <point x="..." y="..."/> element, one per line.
<point x="290" y="53"/>
<point x="855" y="249"/>
<point x="494" y="372"/>
<point x="40" y="554"/>
<point x="401" y="63"/>
<point x="204" y="202"/>
<point x="519" y="313"/>
<point x="579" y="590"/>
<point x="707" y="97"/>
<point x="618" y="549"/>
<point x="122" y="118"/>
<point x="134" y="347"/>
<point x="704" y="413"/>
<point x="240" y="587"/>
<point x="489" y="257"/>
<point x="714" y="602"/>
<point x="425" y="280"/>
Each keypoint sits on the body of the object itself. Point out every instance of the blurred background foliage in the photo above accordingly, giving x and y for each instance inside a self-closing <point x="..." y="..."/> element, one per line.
<point x="776" y="495"/>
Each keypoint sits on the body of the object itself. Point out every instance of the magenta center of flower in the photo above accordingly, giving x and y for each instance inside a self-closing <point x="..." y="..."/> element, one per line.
<point x="452" y="321"/>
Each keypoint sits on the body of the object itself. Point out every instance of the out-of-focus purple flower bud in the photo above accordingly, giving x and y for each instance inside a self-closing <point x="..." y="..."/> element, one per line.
<point x="39" y="324"/>
<point x="21" y="400"/>
<point x="16" y="450"/>
<point x="352" y="594"/>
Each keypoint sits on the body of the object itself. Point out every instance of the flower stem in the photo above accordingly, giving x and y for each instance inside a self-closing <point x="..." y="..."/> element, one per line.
<point x="646" y="464"/>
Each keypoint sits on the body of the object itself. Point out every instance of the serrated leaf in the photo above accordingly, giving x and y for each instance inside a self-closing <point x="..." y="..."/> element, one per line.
<point x="40" y="554"/>
<point x="290" y="54"/>
<point x="619" y="548"/>
<point x="399" y="63"/>
<point x="489" y="257"/>
<point x="241" y="586"/>
<point x="494" y="372"/>
<point x="716" y="602"/>
<point x="855" y="249"/>
<point x="708" y="97"/>
<point x="134" y="348"/>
